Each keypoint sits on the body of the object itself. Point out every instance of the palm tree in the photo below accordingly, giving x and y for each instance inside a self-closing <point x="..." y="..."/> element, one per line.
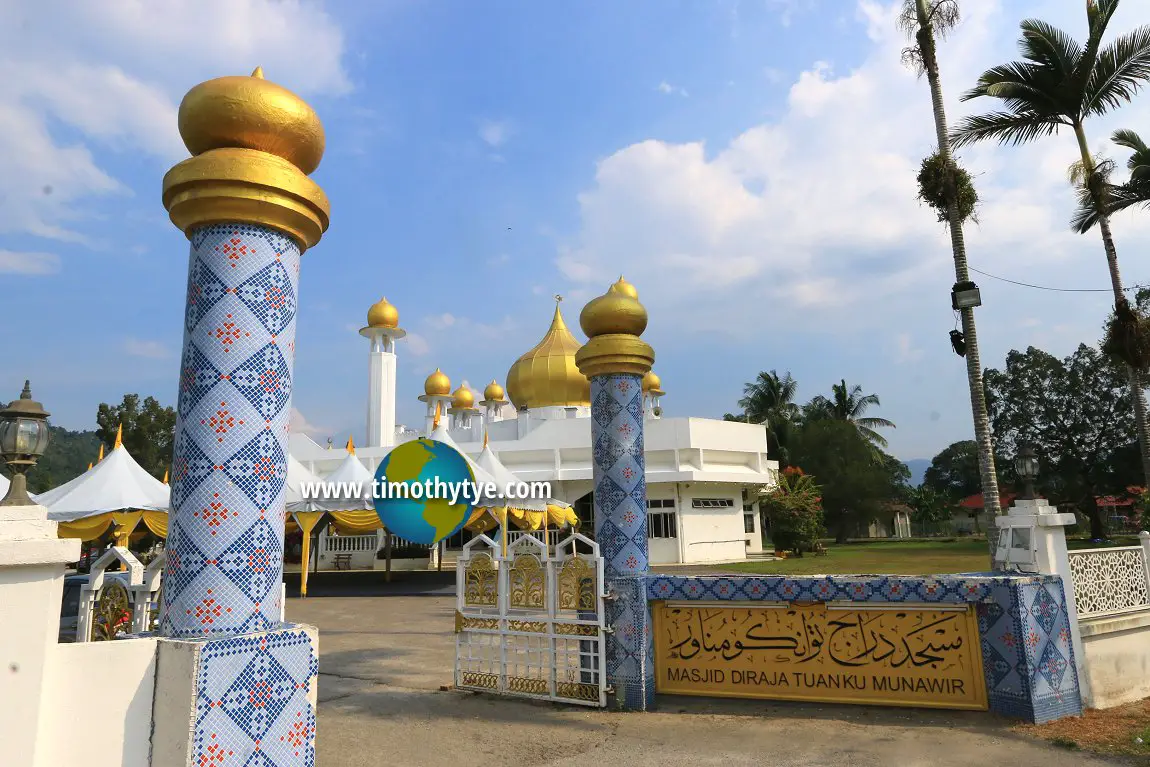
<point x="925" y="21"/>
<point x="849" y="405"/>
<point x="1058" y="84"/>
<point x="1135" y="191"/>
<point x="769" y="400"/>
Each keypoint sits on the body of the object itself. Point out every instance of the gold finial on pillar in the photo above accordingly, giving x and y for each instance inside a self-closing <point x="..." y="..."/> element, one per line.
<point x="613" y="323"/>
<point x="253" y="145"/>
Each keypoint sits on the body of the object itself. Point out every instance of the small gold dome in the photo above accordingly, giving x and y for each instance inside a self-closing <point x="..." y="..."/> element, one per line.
<point x="462" y="398"/>
<point x="616" y="311"/>
<point x="547" y="374"/>
<point x="494" y="392"/>
<point x="383" y="315"/>
<point x="437" y="384"/>
<point x="624" y="287"/>
<point x="251" y="113"/>
<point x="651" y="382"/>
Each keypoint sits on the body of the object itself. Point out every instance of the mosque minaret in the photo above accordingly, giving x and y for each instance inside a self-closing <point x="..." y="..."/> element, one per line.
<point x="382" y="331"/>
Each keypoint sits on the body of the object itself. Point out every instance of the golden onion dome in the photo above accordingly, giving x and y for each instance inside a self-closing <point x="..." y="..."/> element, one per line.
<point x="437" y="384"/>
<point x="617" y="311"/>
<point x="462" y="398"/>
<point x="547" y="374"/>
<point x="383" y="314"/>
<point x="651" y="382"/>
<point x="624" y="287"/>
<point x="494" y="392"/>
<point x="251" y="113"/>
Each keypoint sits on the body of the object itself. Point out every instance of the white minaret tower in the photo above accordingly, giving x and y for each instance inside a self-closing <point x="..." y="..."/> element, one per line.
<point x="437" y="396"/>
<point x="383" y="331"/>
<point x="494" y="398"/>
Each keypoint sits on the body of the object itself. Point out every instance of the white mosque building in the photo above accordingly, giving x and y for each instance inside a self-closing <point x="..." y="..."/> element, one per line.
<point x="703" y="475"/>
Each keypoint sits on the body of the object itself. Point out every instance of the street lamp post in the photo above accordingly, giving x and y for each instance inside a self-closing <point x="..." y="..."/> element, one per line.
<point x="1026" y="467"/>
<point x="23" y="439"/>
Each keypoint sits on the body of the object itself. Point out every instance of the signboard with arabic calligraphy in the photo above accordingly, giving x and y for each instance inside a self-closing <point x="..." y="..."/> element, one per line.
<point x="899" y="655"/>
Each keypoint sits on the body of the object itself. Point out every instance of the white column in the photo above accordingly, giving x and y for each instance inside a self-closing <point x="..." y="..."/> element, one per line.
<point x="32" y="562"/>
<point x="381" y="390"/>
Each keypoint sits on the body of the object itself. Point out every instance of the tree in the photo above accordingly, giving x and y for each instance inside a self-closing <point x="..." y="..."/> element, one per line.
<point x="1135" y="192"/>
<point x="769" y="400"/>
<point x="1060" y="83"/>
<point x="926" y="21"/>
<point x="954" y="472"/>
<point x="857" y="485"/>
<point x="1075" y="412"/>
<point x="149" y="430"/>
<point x="795" y="511"/>
<point x="929" y="508"/>
<point x="849" y="405"/>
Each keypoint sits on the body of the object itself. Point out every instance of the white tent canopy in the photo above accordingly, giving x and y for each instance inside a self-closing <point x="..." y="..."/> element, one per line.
<point x="349" y="471"/>
<point x="504" y="477"/>
<point x="299" y="475"/>
<point x="482" y="475"/>
<point x="116" y="483"/>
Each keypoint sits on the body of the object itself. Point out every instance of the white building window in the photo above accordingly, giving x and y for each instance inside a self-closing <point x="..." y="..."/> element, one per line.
<point x="660" y="503"/>
<point x="748" y="522"/>
<point x="712" y="503"/>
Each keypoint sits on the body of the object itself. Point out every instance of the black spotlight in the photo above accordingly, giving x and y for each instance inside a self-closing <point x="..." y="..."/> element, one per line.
<point x="958" y="342"/>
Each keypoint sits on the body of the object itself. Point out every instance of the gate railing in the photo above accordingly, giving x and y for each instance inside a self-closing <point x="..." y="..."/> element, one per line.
<point x="530" y="623"/>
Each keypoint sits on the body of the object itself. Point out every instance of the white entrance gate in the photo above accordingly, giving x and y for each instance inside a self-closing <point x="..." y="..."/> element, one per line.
<point x="530" y="623"/>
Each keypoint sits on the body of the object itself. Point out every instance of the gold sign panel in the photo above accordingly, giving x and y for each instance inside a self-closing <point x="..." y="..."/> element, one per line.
<point x="895" y="655"/>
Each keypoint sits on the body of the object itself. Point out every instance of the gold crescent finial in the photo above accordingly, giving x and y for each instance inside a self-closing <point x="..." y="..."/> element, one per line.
<point x="558" y="298"/>
<point x="258" y="73"/>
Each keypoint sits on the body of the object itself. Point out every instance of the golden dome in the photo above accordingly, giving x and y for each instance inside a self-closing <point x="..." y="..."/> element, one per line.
<point x="437" y="384"/>
<point x="651" y="382"/>
<point x="462" y="398"/>
<point x="251" y="113"/>
<point x="616" y="311"/>
<point x="494" y="392"/>
<point x="547" y="375"/>
<point x="383" y="315"/>
<point x="624" y="287"/>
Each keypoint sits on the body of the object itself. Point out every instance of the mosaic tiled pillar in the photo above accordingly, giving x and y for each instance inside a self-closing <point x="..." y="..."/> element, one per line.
<point x="621" y="531"/>
<point x="226" y="528"/>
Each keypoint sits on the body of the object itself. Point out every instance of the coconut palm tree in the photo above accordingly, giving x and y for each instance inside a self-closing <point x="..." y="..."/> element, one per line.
<point x="1059" y="84"/>
<point x="1136" y="191"/>
<point x="926" y="21"/>
<point x="769" y="400"/>
<point x="849" y="404"/>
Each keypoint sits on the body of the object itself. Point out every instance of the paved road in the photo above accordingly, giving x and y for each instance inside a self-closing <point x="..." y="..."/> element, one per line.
<point x="383" y="660"/>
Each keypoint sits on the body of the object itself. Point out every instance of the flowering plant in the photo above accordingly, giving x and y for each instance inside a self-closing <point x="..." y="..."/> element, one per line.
<point x="794" y="509"/>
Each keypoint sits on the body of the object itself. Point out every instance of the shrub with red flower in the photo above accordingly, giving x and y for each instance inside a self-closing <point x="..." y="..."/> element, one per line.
<point x="795" y="511"/>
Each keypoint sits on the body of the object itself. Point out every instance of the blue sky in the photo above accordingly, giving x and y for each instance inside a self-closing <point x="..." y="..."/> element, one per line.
<point x="748" y="165"/>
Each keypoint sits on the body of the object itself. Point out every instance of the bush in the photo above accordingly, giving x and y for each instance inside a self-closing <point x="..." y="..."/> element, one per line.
<point x="795" y="511"/>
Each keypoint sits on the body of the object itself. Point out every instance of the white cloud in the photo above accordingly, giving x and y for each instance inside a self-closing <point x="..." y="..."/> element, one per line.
<point x="12" y="262"/>
<point x="153" y="350"/>
<point x="499" y="260"/>
<point x="301" y="425"/>
<point x="811" y="219"/>
<point x="495" y="132"/>
<point x="906" y="351"/>
<point x="667" y="88"/>
<point x="442" y="321"/>
<point x="417" y="345"/>
<point x="113" y="72"/>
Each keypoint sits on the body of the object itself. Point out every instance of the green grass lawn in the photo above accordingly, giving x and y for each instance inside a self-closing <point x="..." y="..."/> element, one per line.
<point x="885" y="558"/>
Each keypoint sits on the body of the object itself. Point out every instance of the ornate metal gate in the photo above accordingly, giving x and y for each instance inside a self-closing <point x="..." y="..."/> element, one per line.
<point x="531" y="624"/>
